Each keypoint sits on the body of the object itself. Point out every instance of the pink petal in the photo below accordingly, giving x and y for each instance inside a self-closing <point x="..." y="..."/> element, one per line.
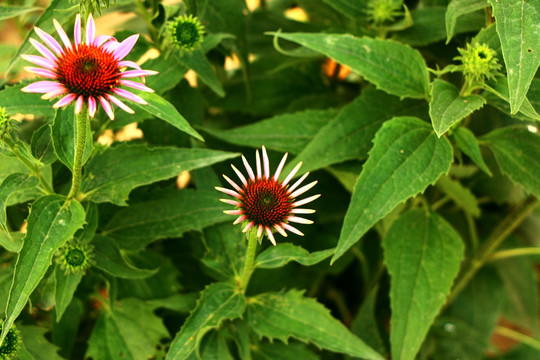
<point x="298" y="182"/>
<point x="137" y="73"/>
<point x="247" y="227"/>
<point x="62" y="34"/>
<point x="230" y="202"/>
<point x="292" y="173"/>
<point x="38" y="60"/>
<point x="107" y="107"/>
<point x="42" y="87"/>
<point x="79" y="104"/>
<point x="306" y="200"/>
<point x="49" y="40"/>
<point x="228" y="192"/>
<point x="101" y="39"/>
<point x="233" y="184"/>
<point x="240" y="219"/>
<point x="270" y="235"/>
<point x="66" y="100"/>
<point x="248" y="168"/>
<point x="136" y="85"/>
<point x="292" y="229"/>
<point x="92" y="106"/>
<point x="110" y="46"/>
<point x="77" y="30"/>
<point x="120" y="104"/>
<point x="303" y="189"/>
<point x="259" y="231"/>
<point x="128" y="63"/>
<point x="280" y="167"/>
<point x="43" y="50"/>
<point x="280" y="230"/>
<point x="130" y="96"/>
<point x="90" y="30"/>
<point x="41" y="72"/>
<point x="266" y="163"/>
<point x="125" y="47"/>
<point x="55" y="93"/>
<point x="233" y="212"/>
<point x="240" y="175"/>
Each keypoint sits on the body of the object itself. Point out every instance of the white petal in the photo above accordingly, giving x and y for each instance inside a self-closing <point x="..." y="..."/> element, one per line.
<point x="305" y="201"/>
<point x="299" y="220"/>
<point x="266" y="163"/>
<point x="240" y="219"/>
<point x="280" y="167"/>
<point x="302" y="211"/>
<point x="233" y="212"/>
<point x="258" y="163"/>
<point x="292" y="229"/>
<point x="230" y="202"/>
<point x="292" y="173"/>
<point x="248" y="168"/>
<point x="303" y="189"/>
<point x="260" y="231"/>
<point x="228" y="192"/>
<point x="240" y="175"/>
<point x="298" y="182"/>
<point x="280" y="230"/>
<point x="247" y="227"/>
<point x="270" y="236"/>
<point x="233" y="184"/>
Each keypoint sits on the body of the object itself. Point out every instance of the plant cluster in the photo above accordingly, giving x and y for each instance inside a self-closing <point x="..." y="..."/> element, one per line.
<point x="154" y="201"/>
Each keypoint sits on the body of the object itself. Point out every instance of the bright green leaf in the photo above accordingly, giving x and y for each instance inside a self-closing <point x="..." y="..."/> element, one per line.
<point x="517" y="151"/>
<point x="517" y="25"/>
<point x="14" y="183"/>
<point x="109" y="258"/>
<point x="9" y="11"/>
<point x="392" y="66"/>
<point x="457" y="8"/>
<point x="169" y="216"/>
<point x="42" y="146"/>
<point x="406" y="157"/>
<point x="350" y="134"/>
<point x="63" y="137"/>
<point x="218" y="302"/>
<point x="14" y="101"/>
<point x="461" y="195"/>
<point x="447" y="107"/>
<point x="284" y="315"/>
<point x="130" y="330"/>
<point x="422" y="253"/>
<point x="497" y="95"/>
<point x="466" y="141"/>
<point x="111" y="175"/>
<point x="52" y="222"/>
<point x="11" y="242"/>
<point x="284" y="253"/>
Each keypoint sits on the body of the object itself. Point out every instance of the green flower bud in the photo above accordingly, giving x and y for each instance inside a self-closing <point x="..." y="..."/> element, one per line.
<point x="186" y="32"/>
<point x="479" y="62"/>
<point x="380" y="11"/>
<point x="11" y="344"/>
<point x="75" y="257"/>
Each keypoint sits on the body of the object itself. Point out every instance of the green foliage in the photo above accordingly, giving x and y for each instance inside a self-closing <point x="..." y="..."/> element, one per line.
<point x="419" y="121"/>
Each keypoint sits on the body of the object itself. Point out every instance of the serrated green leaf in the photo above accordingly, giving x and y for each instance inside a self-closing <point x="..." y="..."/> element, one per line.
<point x="17" y="182"/>
<point x="284" y="315"/>
<point x="42" y="146"/>
<point x="447" y="107"/>
<point x="36" y="343"/>
<point x="164" y="110"/>
<point x="283" y="253"/>
<point x="517" y="25"/>
<point x="130" y="330"/>
<point x="111" y="175"/>
<point x="457" y="8"/>
<point x="497" y="96"/>
<point x="406" y="157"/>
<point x="517" y="151"/>
<point x="14" y="101"/>
<point x="9" y="11"/>
<point x="110" y="259"/>
<point x="180" y="211"/>
<point x="196" y="61"/>
<point x="461" y="195"/>
<point x="183" y="303"/>
<point x="466" y="141"/>
<point x="422" y="253"/>
<point x="350" y="134"/>
<point x="218" y="302"/>
<point x="63" y="134"/>
<point x="52" y="221"/>
<point x="214" y="347"/>
<point x="392" y="66"/>
<point x="365" y="324"/>
<point x="66" y="284"/>
<point x="287" y="133"/>
<point x="279" y="351"/>
<point x="225" y="250"/>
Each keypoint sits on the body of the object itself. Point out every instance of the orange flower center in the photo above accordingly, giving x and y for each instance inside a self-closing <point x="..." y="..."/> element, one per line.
<point x="266" y="202"/>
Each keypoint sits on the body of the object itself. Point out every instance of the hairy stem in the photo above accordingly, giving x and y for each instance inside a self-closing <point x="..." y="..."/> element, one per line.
<point x="80" y="144"/>
<point x="250" y="259"/>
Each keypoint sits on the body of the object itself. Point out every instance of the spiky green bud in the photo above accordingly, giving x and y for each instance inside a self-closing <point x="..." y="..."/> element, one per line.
<point x="11" y="344"/>
<point x="479" y="62"/>
<point x="381" y="11"/>
<point x="186" y="32"/>
<point x="75" y="257"/>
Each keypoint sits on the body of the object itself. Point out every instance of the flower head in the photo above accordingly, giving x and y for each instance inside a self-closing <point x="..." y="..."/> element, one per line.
<point x="265" y="203"/>
<point x="380" y="11"/>
<point x="479" y="62"/>
<point x="186" y="32"/>
<point x="86" y="72"/>
<point x="76" y="257"/>
<point x="11" y="344"/>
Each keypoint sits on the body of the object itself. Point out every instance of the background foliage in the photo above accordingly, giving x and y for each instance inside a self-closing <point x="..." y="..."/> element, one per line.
<point x="426" y="236"/>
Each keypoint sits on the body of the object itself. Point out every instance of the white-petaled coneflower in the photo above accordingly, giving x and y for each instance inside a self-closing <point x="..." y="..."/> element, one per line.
<point x="265" y="203"/>
<point x="91" y="71"/>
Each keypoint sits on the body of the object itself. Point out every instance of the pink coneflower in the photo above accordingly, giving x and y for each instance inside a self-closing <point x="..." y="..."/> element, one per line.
<point x="264" y="202"/>
<point x="86" y="72"/>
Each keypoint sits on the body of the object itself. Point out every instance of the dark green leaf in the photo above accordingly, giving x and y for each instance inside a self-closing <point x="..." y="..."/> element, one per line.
<point x="365" y="324"/>
<point x="111" y="175"/>
<point x="279" y="351"/>
<point x="36" y="343"/>
<point x="519" y="36"/>
<point x="351" y="8"/>
<point x="63" y="134"/>
<point x="287" y="133"/>
<point x="178" y="212"/>
<point x="350" y="134"/>
<point x="422" y="253"/>
<point x="9" y="11"/>
<point x="42" y="146"/>
<point x="406" y="157"/>
<point x="14" y="183"/>
<point x="466" y="141"/>
<point x="284" y="315"/>
<point x="461" y="195"/>
<point x="457" y="8"/>
<point x="170" y="73"/>
<point x="66" y="284"/>
<point x="225" y="250"/>
<point x="393" y="67"/>
<point x="196" y="61"/>
<point x="111" y="260"/>
<point x="218" y="302"/>
<point x="214" y="347"/>
<point x="65" y="331"/>
<point x="130" y="330"/>
<point x="517" y="151"/>
<point x="284" y="253"/>
<point x="447" y="107"/>
<point x="52" y="221"/>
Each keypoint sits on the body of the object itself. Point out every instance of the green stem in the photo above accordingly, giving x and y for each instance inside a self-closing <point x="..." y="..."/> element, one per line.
<point x="517" y="336"/>
<point x="494" y="240"/>
<point x="250" y="259"/>
<point x="80" y="144"/>
<point x="505" y="254"/>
